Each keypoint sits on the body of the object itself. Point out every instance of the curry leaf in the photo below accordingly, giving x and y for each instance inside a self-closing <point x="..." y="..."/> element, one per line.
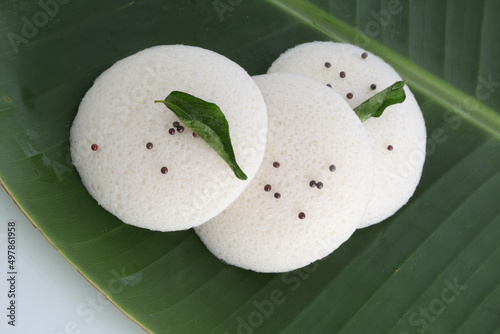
<point x="375" y="105"/>
<point x="207" y="121"/>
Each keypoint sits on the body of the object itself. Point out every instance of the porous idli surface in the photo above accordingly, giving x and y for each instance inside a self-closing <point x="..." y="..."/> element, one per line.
<point x="313" y="135"/>
<point x="119" y="115"/>
<point x="398" y="137"/>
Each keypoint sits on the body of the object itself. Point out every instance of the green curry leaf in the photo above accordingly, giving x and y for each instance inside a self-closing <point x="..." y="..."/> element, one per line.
<point x="375" y="105"/>
<point x="207" y="121"/>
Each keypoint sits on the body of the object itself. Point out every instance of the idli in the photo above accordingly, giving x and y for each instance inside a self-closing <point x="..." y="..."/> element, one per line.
<point x="311" y="190"/>
<point x="398" y="137"/>
<point x="140" y="163"/>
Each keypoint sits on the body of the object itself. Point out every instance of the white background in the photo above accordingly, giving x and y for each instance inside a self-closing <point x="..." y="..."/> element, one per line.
<point x="51" y="296"/>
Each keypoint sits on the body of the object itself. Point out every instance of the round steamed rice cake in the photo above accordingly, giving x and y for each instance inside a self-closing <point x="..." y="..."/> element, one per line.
<point x="398" y="137"/>
<point x="118" y="114"/>
<point x="313" y="135"/>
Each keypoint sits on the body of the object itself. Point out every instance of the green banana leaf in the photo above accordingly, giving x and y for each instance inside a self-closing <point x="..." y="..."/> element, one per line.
<point x="433" y="267"/>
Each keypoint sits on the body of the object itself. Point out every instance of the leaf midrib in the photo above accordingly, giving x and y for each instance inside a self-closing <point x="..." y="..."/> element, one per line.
<point x="445" y="94"/>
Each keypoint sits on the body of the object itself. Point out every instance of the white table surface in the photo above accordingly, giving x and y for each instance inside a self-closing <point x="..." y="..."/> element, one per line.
<point x="51" y="296"/>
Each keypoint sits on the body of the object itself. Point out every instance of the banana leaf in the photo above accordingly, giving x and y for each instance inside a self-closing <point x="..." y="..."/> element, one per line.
<point x="433" y="267"/>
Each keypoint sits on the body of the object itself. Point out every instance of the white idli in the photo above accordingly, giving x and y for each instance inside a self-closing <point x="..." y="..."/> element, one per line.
<point x="119" y="115"/>
<point x="398" y="137"/>
<point x="313" y="135"/>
